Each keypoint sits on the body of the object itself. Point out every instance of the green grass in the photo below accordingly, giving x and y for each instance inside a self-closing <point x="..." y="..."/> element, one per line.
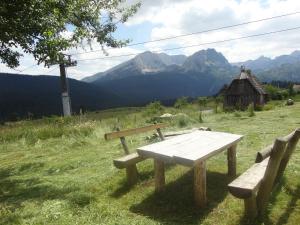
<point x="60" y="171"/>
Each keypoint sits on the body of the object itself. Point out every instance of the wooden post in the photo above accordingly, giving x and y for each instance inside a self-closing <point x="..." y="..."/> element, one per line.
<point x="159" y="176"/>
<point x="250" y="207"/>
<point x="288" y="152"/>
<point x="66" y="101"/>
<point x="231" y="159"/>
<point x="270" y="175"/>
<point x="131" y="171"/>
<point x="132" y="174"/>
<point x="160" y="134"/>
<point x="124" y="145"/>
<point x="200" y="184"/>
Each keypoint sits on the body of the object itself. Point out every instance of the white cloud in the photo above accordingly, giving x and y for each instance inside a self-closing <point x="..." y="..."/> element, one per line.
<point x="177" y="17"/>
<point x="190" y="16"/>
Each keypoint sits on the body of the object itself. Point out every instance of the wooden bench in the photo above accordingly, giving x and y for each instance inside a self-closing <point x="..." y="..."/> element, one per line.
<point x="255" y="185"/>
<point x="130" y="160"/>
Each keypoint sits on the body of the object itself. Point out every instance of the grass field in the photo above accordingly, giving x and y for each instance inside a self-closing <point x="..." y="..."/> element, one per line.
<point x="60" y="171"/>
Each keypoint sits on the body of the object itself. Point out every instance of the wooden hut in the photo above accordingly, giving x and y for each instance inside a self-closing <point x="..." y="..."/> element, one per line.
<point x="244" y="90"/>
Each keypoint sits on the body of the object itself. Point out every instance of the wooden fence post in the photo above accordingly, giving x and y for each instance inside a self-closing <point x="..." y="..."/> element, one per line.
<point x="270" y="175"/>
<point x="288" y="152"/>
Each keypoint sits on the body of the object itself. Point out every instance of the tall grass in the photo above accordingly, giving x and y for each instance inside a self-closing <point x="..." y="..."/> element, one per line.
<point x="60" y="171"/>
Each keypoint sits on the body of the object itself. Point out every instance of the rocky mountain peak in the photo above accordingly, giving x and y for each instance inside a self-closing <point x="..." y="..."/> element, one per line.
<point x="205" y="58"/>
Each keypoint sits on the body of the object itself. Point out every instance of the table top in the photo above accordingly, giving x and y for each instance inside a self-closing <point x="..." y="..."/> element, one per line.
<point x="187" y="149"/>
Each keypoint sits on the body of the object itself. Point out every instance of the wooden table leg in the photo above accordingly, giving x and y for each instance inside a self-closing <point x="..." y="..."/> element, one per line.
<point x="159" y="176"/>
<point x="231" y="158"/>
<point x="200" y="184"/>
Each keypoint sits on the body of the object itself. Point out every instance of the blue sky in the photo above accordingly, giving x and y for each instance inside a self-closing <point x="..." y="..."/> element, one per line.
<point x="158" y="19"/>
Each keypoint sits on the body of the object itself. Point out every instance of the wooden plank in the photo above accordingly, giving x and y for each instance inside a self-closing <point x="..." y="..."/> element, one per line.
<point x="248" y="183"/>
<point x="231" y="160"/>
<point x="127" y="160"/>
<point x="270" y="175"/>
<point x="161" y="136"/>
<point x="129" y="132"/>
<point x="288" y="137"/>
<point x="187" y="149"/>
<point x="263" y="154"/>
<point x="159" y="176"/>
<point x="124" y="145"/>
<point x="288" y="152"/>
<point x="192" y="157"/>
<point x="200" y="184"/>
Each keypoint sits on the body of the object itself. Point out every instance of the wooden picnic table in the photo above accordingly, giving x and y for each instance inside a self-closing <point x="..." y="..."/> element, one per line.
<point x="192" y="150"/>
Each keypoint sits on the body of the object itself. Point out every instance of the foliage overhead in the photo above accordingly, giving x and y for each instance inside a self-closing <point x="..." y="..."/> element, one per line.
<point x="47" y="28"/>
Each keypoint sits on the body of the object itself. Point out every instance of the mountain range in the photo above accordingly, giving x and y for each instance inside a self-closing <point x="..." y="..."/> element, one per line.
<point x="147" y="77"/>
<point x="151" y="76"/>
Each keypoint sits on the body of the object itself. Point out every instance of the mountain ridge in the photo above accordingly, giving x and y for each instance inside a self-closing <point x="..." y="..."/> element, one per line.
<point x="148" y="63"/>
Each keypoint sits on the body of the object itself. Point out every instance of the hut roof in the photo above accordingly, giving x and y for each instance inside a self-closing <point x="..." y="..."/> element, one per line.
<point x="253" y="80"/>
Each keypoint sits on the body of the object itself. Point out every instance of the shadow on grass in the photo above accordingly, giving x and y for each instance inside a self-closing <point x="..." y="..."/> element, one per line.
<point x="291" y="206"/>
<point x="289" y="209"/>
<point x="175" y="205"/>
<point x="124" y="187"/>
<point x="14" y="190"/>
<point x="144" y="176"/>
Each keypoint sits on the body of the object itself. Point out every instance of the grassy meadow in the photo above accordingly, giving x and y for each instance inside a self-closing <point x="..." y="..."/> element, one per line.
<point x="60" y="171"/>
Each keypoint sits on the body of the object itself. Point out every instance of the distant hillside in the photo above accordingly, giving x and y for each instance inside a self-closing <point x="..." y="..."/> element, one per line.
<point x="163" y="86"/>
<point x="284" y="72"/>
<point x="284" y="67"/>
<point x="40" y="95"/>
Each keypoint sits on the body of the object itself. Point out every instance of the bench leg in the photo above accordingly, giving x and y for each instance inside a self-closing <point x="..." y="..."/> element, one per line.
<point x="231" y="158"/>
<point x="159" y="176"/>
<point x="250" y="207"/>
<point x="132" y="174"/>
<point x="200" y="184"/>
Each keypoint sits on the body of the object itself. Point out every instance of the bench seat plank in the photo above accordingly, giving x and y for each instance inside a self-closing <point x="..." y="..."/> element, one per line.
<point x="248" y="182"/>
<point x="124" y="133"/>
<point x="127" y="160"/>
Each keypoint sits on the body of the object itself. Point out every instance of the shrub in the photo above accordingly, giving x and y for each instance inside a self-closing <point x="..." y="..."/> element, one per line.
<point x="237" y="114"/>
<point x="202" y="102"/>
<point x="218" y="100"/>
<point x="251" y="110"/>
<point x="276" y="93"/>
<point x="154" y="108"/>
<point x="181" y="102"/>
<point x="182" y="122"/>
<point x="291" y="91"/>
<point x="200" y="117"/>
<point x="259" y="108"/>
<point x="268" y="107"/>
